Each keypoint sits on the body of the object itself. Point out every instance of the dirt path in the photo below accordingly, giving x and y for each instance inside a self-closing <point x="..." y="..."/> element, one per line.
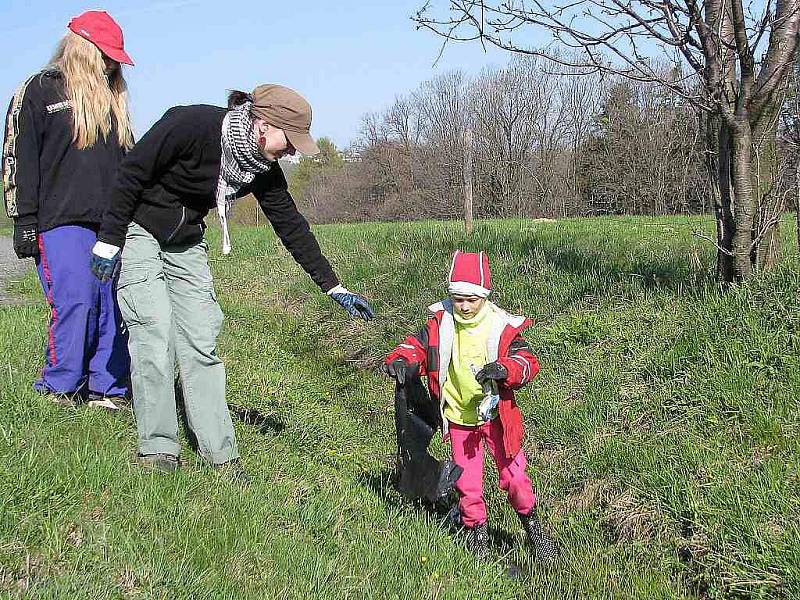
<point x="10" y="268"/>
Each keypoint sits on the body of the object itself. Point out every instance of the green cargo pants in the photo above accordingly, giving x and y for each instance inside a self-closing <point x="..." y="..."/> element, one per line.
<point x="166" y="296"/>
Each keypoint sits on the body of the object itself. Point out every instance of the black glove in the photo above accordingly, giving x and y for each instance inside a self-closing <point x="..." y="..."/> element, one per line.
<point x="397" y="369"/>
<point x="26" y="238"/>
<point x="493" y="370"/>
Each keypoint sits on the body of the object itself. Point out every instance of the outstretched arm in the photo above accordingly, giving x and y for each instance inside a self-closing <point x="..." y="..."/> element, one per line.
<point x="271" y="191"/>
<point x="294" y="232"/>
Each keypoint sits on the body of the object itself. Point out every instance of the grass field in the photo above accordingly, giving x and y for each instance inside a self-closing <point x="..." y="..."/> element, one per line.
<point x="663" y="431"/>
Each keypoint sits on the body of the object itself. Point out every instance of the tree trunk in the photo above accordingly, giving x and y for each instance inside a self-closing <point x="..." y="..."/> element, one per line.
<point x="468" y="181"/>
<point x="718" y="163"/>
<point x="744" y="209"/>
<point x="797" y="201"/>
<point x="769" y="201"/>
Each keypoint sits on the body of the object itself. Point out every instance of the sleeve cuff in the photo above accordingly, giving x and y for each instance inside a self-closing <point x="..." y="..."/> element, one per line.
<point x="104" y="250"/>
<point x="26" y="220"/>
<point x="338" y="289"/>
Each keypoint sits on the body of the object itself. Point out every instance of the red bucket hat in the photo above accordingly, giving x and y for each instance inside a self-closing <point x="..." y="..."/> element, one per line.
<point x="98" y="27"/>
<point x="470" y="275"/>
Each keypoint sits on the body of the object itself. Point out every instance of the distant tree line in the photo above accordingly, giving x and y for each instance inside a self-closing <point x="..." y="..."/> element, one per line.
<point x="545" y="142"/>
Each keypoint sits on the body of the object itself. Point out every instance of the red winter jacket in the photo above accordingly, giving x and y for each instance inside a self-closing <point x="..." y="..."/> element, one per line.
<point x="433" y="346"/>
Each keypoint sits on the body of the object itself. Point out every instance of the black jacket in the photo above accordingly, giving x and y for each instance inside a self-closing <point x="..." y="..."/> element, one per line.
<point x="167" y="184"/>
<point x="47" y="179"/>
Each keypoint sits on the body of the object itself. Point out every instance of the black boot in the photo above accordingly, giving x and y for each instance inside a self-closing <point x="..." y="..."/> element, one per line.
<point x="234" y="471"/>
<point x="478" y="541"/>
<point x="162" y="462"/>
<point x="545" y="548"/>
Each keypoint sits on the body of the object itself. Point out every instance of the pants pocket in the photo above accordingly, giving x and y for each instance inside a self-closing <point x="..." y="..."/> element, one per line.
<point x="135" y="298"/>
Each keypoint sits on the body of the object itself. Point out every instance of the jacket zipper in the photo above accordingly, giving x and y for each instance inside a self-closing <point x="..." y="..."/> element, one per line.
<point x="180" y="224"/>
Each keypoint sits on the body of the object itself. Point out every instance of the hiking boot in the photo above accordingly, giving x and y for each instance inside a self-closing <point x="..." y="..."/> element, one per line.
<point x="109" y="403"/>
<point x="453" y="519"/>
<point x="66" y="400"/>
<point x="478" y="541"/>
<point x="448" y="475"/>
<point x="234" y="471"/>
<point x="545" y="548"/>
<point x="161" y="462"/>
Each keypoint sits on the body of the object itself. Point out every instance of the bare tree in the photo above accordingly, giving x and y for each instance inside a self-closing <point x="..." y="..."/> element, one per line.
<point x="789" y="145"/>
<point x="506" y="109"/>
<point x="442" y="105"/>
<point x="718" y="41"/>
<point x="644" y="154"/>
<point x="546" y="144"/>
<point x="568" y="124"/>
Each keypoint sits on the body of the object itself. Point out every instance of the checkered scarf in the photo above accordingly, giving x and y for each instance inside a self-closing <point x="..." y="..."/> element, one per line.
<point x="241" y="162"/>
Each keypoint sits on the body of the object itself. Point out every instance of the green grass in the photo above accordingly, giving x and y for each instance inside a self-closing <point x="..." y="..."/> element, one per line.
<point x="663" y="431"/>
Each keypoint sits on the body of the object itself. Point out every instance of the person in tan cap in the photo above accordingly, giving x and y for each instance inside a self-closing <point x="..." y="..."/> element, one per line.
<point x="193" y="159"/>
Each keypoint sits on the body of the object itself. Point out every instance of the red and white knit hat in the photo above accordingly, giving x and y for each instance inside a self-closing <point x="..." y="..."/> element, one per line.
<point x="470" y="275"/>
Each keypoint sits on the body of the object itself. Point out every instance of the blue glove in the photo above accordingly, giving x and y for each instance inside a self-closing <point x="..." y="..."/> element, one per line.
<point x="105" y="261"/>
<point x="354" y="304"/>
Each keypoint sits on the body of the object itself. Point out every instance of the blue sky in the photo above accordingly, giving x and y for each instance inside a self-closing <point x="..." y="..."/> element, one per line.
<point x="346" y="57"/>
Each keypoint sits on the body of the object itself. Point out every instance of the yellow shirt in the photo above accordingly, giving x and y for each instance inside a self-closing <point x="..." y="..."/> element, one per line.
<point x="461" y="392"/>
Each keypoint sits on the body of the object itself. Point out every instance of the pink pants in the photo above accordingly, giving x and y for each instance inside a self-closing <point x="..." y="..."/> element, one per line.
<point x="467" y="445"/>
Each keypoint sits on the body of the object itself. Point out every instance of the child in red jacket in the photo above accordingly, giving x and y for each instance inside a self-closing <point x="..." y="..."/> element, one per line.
<point x="467" y="348"/>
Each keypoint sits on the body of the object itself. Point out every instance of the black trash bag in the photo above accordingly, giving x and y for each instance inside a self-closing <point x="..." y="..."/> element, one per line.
<point x="416" y="418"/>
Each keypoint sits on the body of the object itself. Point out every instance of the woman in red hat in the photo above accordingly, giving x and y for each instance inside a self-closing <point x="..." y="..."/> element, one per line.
<point x="67" y="129"/>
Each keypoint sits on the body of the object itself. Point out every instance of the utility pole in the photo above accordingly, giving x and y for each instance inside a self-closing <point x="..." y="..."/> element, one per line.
<point x="468" y="181"/>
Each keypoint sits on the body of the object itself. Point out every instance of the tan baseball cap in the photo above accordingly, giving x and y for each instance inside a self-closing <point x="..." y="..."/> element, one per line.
<point x="285" y="109"/>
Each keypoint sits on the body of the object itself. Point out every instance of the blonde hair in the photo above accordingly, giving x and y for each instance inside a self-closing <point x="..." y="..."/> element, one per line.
<point x="97" y="99"/>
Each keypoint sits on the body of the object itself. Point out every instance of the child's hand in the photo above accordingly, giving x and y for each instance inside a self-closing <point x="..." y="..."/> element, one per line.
<point x="493" y="370"/>
<point x="487" y="406"/>
<point x="397" y="369"/>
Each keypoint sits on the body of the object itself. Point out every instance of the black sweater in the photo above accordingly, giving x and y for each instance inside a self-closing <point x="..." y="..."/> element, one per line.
<point x="167" y="184"/>
<point x="47" y="179"/>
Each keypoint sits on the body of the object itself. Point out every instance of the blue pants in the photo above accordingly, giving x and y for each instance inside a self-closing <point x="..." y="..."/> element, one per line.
<point x="86" y="347"/>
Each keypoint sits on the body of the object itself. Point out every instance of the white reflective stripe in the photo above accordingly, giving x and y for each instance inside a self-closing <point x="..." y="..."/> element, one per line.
<point x="409" y="346"/>
<point x="526" y="368"/>
<point x="447" y="333"/>
<point x="493" y="341"/>
<point x="480" y="266"/>
<point x="517" y="357"/>
<point x="528" y="372"/>
<point x="10" y="149"/>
